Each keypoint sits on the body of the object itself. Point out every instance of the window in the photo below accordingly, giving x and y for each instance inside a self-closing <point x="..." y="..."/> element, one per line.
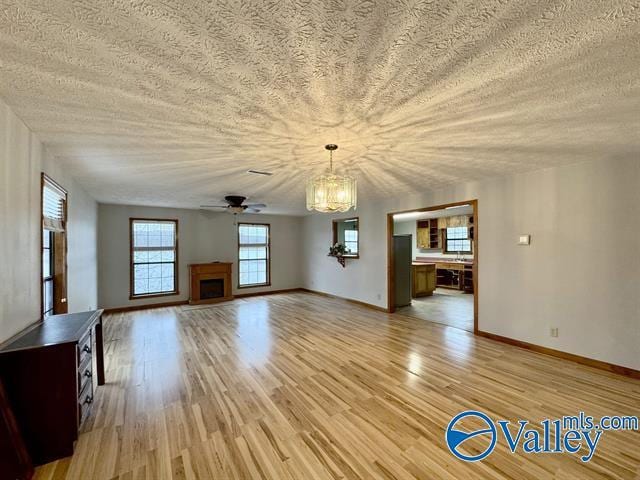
<point x="53" y="255"/>
<point x="47" y="272"/>
<point x="351" y="241"/>
<point x="253" y="255"/>
<point x="154" y="254"/>
<point x="458" y="240"/>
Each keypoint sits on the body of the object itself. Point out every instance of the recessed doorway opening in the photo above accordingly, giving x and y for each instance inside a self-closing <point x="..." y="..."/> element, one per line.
<point x="433" y="263"/>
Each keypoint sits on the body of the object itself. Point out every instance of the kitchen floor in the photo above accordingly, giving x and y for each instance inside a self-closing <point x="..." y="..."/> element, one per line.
<point x="446" y="306"/>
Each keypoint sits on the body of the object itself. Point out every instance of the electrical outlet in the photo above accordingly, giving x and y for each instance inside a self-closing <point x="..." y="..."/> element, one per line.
<point x="554" y="332"/>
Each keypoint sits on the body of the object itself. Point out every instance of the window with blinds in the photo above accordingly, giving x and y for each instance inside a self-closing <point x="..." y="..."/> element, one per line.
<point x="54" y="204"/>
<point x="253" y="255"/>
<point x="154" y="252"/>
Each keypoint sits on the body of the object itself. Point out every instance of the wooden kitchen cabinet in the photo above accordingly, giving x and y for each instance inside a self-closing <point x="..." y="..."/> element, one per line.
<point x="427" y="234"/>
<point x="424" y="279"/>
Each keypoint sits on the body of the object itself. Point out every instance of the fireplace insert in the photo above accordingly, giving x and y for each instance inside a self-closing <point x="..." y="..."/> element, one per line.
<point x="213" y="288"/>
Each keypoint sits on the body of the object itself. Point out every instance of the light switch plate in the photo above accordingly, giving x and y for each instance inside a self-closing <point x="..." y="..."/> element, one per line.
<point x="524" y="240"/>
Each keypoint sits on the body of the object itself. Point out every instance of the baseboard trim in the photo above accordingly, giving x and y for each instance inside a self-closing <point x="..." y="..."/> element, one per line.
<point x="350" y="300"/>
<point x="131" y="308"/>
<point x="149" y="306"/>
<point x="599" y="364"/>
<point x="268" y="292"/>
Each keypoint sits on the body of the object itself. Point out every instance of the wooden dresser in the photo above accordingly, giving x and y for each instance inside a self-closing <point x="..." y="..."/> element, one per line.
<point x="48" y="374"/>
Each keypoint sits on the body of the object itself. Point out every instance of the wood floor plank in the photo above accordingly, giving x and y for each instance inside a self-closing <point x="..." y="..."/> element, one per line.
<point x="299" y="386"/>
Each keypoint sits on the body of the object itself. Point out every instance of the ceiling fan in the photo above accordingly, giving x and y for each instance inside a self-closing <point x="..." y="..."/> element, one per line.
<point x="235" y="205"/>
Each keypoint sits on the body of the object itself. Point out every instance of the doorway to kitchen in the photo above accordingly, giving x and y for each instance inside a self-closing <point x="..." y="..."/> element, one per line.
<point x="432" y="256"/>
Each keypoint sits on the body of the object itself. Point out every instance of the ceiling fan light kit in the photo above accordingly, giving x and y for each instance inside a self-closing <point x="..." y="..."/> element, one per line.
<point x="330" y="193"/>
<point x="236" y="205"/>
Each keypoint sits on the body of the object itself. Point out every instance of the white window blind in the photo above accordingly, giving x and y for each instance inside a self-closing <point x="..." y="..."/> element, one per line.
<point x="54" y="203"/>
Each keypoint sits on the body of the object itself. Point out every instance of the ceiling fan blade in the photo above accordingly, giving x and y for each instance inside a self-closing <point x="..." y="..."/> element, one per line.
<point x="256" y="205"/>
<point x="214" y="206"/>
<point x="252" y="210"/>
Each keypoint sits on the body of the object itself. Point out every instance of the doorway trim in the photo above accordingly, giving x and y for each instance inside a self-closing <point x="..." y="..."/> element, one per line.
<point x="391" y="281"/>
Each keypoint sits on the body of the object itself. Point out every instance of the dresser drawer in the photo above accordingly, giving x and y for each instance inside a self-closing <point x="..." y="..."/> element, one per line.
<point x="84" y="348"/>
<point x="85" y="373"/>
<point x="85" y="399"/>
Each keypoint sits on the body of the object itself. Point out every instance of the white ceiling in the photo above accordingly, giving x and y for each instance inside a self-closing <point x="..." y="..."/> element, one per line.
<point x="162" y="102"/>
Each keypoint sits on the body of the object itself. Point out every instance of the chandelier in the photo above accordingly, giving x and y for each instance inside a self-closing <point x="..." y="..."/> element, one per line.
<point x="329" y="192"/>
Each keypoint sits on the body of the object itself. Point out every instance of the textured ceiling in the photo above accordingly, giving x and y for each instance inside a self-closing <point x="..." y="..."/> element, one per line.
<point x="168" y="103"/>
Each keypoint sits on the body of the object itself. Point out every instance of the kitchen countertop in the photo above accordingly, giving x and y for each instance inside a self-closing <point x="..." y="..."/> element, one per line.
<point x="417" y="264"/>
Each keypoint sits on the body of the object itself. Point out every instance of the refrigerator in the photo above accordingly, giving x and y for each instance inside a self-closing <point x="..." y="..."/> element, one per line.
<point x="403" y="258"/>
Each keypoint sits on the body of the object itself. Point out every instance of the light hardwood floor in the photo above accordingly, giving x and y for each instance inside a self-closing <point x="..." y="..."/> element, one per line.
<point x="446" y="306"/>
<point x="300" y="386"/>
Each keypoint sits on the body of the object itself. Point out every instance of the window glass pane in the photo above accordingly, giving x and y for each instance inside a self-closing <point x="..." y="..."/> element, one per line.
<point x="155" y="270"/>
<point x="46" y="263"/>
<point x="141" y="240"/>
<point x="140" y="286"/>
<point x="140" y="257"/>
<point x="155" y="284"/>
<point x="48" y="296"/>
<point x="166" y="270"/>
<point x="167" y="284"/>
<point x="155" y="255"/>
<point x="168" y="256"/>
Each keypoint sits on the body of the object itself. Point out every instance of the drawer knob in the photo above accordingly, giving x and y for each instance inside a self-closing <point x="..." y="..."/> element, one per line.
<point x="86" y="348"/>
<point x="87" y="373"/>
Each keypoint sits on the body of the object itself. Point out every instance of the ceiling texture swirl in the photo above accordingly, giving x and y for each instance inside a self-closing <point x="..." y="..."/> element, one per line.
<point x="169" y="103"/>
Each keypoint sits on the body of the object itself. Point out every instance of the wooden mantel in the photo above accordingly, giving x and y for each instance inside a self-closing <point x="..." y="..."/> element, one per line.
<point x="209" y="271"/>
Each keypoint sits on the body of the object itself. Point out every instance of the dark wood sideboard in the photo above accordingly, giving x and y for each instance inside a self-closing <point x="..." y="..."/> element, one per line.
<point x="47" y="372"/>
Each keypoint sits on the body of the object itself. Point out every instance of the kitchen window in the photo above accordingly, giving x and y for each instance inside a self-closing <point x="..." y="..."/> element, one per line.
<point x="154" y="256"/>
<point x="457" y="240"/>
<point x="254" y="262"/>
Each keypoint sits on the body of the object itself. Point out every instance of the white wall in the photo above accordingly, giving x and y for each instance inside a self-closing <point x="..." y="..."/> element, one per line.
<point x="202" y="237"/>
<point x="581" y="272"/>
<point x="22" y="159"/>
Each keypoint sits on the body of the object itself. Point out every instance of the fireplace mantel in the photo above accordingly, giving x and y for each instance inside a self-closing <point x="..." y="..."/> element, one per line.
<point x="209" y="271"/>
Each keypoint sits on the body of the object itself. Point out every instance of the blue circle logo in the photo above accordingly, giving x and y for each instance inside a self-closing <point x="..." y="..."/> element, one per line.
<point x="456" y="438"/>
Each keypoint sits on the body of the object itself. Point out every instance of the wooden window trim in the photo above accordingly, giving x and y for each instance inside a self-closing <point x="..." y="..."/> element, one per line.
<point x="176" y="290"/>
<point x="268" y="282"/>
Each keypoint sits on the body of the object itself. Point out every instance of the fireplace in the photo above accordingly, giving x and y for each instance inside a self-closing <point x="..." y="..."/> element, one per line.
<point x="211" y="288"/>
<point x="209" y="282"/>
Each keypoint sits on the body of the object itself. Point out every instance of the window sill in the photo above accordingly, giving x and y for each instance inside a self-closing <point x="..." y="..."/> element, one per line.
<point x="255" y="285"/>
<point x="153" y="295"/>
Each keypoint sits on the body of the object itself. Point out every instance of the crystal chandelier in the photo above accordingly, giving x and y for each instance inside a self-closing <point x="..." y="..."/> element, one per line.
<point x="329" y="192"/>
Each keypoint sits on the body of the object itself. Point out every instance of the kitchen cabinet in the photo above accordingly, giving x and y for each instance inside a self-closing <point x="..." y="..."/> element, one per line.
<point x="455" y="275"/>
<point x="423" y="279"/>
<point x="427" y="234"/>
